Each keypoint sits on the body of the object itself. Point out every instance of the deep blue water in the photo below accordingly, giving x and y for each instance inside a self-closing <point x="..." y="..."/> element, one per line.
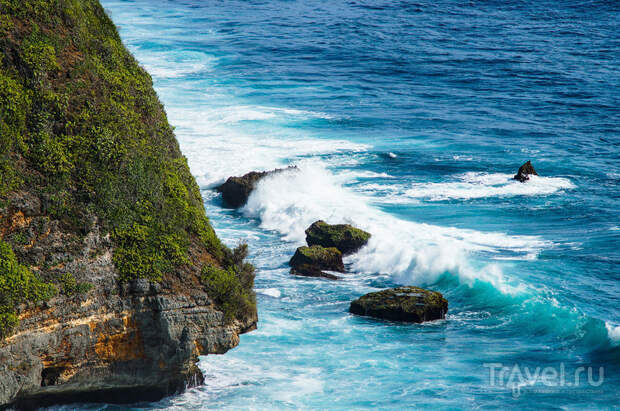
<point x="407" y="119"/>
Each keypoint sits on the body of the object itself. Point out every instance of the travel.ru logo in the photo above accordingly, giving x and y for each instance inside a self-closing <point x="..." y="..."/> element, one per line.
<point x="549" y="379"/>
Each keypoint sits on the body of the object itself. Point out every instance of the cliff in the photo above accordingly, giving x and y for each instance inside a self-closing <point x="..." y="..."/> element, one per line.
<point x="112" y="280"/>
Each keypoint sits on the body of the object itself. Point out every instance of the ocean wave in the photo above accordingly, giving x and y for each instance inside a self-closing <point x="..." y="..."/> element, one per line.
<point x="421" y="254"/>
<point x="411" y="252"/>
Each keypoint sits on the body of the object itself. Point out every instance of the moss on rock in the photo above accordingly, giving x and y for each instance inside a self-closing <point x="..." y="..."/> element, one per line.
<point x="344" y="237"/>
<point x="311" y="261"/>
<point x="408" y="304"/>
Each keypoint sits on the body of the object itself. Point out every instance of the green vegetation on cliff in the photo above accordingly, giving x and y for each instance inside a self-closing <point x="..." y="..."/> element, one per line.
<point x="231" y="287"/>
<point x="82" y="129"/>
<point x="18" y="285"/>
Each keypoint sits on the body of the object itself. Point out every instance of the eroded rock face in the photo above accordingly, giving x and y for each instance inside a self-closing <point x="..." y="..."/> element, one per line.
<point x="128" y="343"/>
<point x="311" y="261"/>
<point x="344" y="237"/>
<point x="525" y="171"/>
<point x="408" y="304"/>
<point x="236" y="190"/>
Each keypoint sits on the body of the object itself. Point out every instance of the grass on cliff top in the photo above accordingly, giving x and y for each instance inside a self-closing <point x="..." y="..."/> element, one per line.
<point x="82" y="128"/>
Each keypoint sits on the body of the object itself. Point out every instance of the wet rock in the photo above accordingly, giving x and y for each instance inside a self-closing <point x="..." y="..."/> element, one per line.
<point x="344" y="237"/>
<point x="525" y="171"/>
<point x="408" y="304"/>
<point x="236" y="190"/>
<point x="311" y="261"/>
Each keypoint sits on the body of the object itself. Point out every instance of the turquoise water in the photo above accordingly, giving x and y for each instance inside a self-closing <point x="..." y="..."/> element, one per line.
<point x="408" y="120"/>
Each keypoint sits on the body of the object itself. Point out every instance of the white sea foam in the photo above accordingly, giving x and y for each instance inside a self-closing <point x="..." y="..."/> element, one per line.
<point x="271" y="292"/>
<point x="412" y="252"/>
<point x="614" y="332"/>
<point x="480" y="185"/>
<point x="232" y="114"/>
<point x="462" y="158"/>
<point x="216" y="147"/>
<point x="173" y="64"/>
<point x="362" y="174"/>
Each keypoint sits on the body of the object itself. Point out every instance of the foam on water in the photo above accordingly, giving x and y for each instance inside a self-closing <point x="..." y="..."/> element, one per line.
<point x="216" y="149"/>
<point x="174" y="64"/>
<point x="480" y="185"/>
<point x="271" y="292"/>
<point x="289" y="202"/>
<point x="614" y="332"/>
<point x="415" y="253"/>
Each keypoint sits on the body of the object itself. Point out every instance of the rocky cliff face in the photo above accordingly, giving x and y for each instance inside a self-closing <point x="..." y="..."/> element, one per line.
<point x="138" y="340"/>
<point x="112" y="281"/>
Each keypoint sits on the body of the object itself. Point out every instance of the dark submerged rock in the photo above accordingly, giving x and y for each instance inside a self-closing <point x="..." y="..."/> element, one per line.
<point x="311" y="261"/>
<point x="236" y="190"/>
<point x="409" y="304"/>
<point x="344" y="237"/>
<point x="525" y="171"/>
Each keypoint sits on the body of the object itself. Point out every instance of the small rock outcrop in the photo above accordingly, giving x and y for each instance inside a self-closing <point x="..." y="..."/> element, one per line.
<point x="525" y="171"/>
<point x="236" y="190"/>
<point x="408" y="304"/>
<point x="311" y="261"/>
<point x="344" y="237"/>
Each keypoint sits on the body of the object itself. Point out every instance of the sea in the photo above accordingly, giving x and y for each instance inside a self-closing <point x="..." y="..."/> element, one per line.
<point x="407" y="119"/>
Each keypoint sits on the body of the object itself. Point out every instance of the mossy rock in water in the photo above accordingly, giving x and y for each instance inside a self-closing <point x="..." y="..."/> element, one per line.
<point x="344" y="237"/>
<point x="525" y="171"/>
<point x="236" y="190"/>
<point x="409" y="304"/>
<point x="311" y="261"/>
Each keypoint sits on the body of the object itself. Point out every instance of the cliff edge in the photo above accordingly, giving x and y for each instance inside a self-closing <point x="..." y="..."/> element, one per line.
<point x="112" y="280"/>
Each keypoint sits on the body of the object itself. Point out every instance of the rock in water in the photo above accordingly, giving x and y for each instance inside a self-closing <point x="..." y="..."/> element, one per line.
<point x="409" y="304"/>
<point x="236" y="190"/>
<point x="344" y="237"/>
<point x="311" y="261"/>
<point x="525" y="171"/>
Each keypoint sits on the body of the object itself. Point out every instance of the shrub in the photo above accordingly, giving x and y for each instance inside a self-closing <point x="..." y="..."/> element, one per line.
<point x="18" y="285"/>
<point x="70" y="286"/>
<point x="231" y="287"/>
